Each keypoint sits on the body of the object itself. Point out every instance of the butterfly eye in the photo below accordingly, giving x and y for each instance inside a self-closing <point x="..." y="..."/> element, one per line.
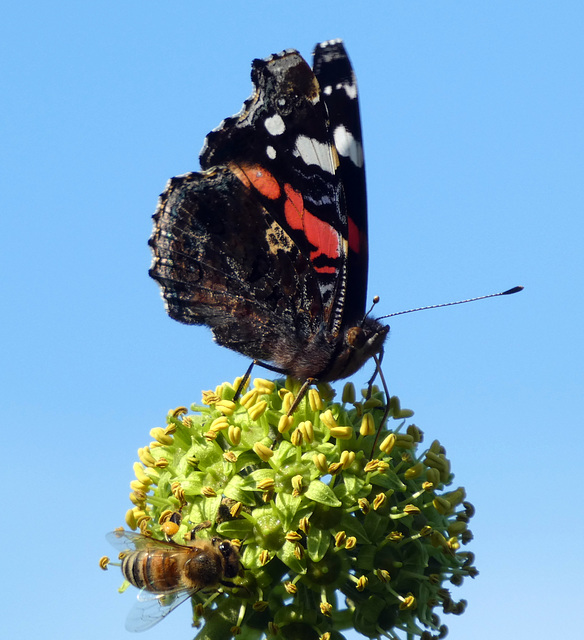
<point x="356" y="337"/>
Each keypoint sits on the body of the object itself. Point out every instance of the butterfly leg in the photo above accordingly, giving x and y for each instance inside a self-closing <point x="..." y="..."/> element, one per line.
<point x="387" y="400"/>
<point x="247" y="375"/>
<point x="303" y="389"/>
<point x="372" y="379"/>
<point x="242" y="385"/>
<point x="299" y="396"/>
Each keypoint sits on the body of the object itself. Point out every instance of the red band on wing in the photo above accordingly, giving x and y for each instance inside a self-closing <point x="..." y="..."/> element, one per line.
<point x="258" y="177"/>
<point x="320" y="234"/>
<point x="354" y="237"/>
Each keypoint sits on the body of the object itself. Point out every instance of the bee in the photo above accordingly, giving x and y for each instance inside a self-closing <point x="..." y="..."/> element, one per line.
<point x="168" y="573"/>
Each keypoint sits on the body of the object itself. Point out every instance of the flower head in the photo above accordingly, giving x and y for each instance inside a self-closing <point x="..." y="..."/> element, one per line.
<point x="332" y="535"/>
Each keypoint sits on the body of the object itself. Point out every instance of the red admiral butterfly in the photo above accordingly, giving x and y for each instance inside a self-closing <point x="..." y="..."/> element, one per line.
<point x="267" y="245"/>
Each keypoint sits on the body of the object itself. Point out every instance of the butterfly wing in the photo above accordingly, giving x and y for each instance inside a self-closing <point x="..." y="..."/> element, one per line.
<point x="280" y="146"/>
<point x="223" y="261"/>
<point x="338" y="84"/>
<point x="257" y="246"/>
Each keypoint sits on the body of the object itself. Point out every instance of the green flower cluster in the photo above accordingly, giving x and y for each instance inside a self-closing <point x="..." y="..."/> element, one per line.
<point x="332" y="537"/>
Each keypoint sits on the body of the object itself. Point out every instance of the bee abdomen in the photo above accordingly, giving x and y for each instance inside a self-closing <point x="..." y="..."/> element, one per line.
<point x="155" y="571"/>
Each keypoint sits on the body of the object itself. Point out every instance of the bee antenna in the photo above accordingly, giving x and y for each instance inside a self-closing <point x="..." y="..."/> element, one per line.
<point x="449" y="304"/>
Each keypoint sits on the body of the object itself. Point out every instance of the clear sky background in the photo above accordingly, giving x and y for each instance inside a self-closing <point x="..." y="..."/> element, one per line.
<point x="473" y="119"/>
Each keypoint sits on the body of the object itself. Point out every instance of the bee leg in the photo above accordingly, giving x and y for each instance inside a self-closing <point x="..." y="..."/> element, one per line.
<point x="199" y="527"/>
<point x="227" y="583"/>
<point x="174" y="518"/>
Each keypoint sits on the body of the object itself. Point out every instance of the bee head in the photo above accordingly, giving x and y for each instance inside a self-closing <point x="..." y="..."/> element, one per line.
<point x="230" y="557"/>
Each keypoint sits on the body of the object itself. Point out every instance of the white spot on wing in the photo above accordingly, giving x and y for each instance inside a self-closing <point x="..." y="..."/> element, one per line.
<point x="349" y="89"/>
<point x="275" y="125"/>
<point x="271" y="152"/>
<point x="347" y="146"/>
<point x="314" y="152"/>
<point x="327" y="43"/>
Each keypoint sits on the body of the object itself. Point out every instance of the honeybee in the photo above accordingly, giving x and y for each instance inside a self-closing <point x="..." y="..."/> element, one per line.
<point x="168" y="573"/>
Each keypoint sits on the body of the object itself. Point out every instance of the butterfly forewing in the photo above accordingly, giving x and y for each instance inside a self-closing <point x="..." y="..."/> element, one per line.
<point x="280" y="146"/>
<point x="339" y="89"/>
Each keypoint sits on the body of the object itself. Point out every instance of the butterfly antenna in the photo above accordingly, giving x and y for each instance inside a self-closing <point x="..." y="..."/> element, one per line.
<point x="375" y="301"/>
<point x="449" y="304"/>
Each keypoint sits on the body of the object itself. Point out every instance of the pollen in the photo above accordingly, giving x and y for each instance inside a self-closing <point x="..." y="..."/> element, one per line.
<point x="264" y="386"/>
<point x="160" y="436"/>
<point x="258" y="410"/>
<point x="262" y="451"/>
<point x="250" y="398"/>
<point x="388" y="443"/>
<point x="179" y="411"/>
<point x="210" y="397"/>
<point x="219" y="424"/>
<point x="342" y="433"/>
<point x="315" y="400"/>
<point x="227" y="407"/>
<point x="285" y="423"/>
<point x="367" y="425"/>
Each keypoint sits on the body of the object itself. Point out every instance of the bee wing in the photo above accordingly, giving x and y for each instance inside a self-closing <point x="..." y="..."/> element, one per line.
<point x="124" y="540"/>
<point x="151" y="608"/>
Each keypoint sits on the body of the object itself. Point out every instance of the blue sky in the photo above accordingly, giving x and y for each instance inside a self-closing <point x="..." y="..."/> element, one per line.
<point x="473" y="127"/>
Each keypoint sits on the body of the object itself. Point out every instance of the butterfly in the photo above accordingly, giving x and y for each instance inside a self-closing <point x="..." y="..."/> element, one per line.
<point x="267" y="244"/>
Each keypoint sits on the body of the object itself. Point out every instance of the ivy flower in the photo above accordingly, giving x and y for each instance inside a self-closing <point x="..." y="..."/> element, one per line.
<point x="332" y="536"/>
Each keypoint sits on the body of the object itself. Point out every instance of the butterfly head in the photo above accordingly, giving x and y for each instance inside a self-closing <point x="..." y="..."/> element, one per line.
<point x="359" y="344"/>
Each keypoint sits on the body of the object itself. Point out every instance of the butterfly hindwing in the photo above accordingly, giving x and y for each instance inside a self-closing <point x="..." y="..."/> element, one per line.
<point x="249" y="291"/>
